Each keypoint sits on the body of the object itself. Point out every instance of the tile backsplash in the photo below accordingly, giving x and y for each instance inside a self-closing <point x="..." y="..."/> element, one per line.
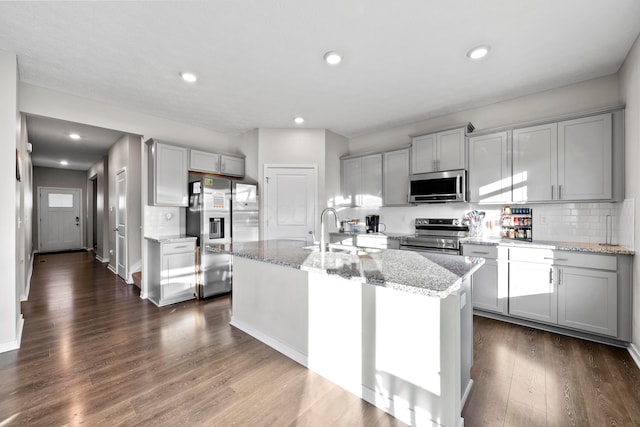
<point x="568" y="222"/>
<point x="163" y="221"/>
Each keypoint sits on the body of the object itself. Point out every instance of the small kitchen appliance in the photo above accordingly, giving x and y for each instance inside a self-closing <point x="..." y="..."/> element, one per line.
<point x="441" y="235"/>
<point x="373" y="223"/>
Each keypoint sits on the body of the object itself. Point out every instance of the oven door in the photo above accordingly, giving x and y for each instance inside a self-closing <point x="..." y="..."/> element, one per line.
<point x="433" y="244"/>
<point x="429" y="250"/>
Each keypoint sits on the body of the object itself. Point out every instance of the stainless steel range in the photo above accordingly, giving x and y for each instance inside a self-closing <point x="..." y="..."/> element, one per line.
<point x="440" y="235"/>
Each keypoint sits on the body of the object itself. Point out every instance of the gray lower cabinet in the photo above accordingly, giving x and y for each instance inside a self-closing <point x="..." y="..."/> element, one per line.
<point x="172" y="271"/>
<point x="584" y="292"/>
<point x="490" y="283"/>
<point x="532" y="292"/>
<point x="588" y="300"/>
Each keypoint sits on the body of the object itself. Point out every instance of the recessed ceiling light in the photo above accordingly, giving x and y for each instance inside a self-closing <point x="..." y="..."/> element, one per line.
<point x="478" y="52"/>
<point x="74" y="136"/>
<point x="64" y="162"/>
<point x="299" y="120"/>
<point x="188" y="77"/>
<point x="332" y="58"/>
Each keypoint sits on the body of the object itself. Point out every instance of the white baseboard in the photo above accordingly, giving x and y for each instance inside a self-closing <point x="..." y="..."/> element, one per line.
<point x="15" y="344"/>
<point x="99" y="258"/>
<point x="112" y="269"/>
<point x="27" y="289"/>
<point x="273" y="343"/>
<point x="635" y="354"/>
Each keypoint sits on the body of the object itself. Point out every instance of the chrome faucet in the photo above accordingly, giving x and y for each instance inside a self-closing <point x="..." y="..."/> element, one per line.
<point x="323" y="245"/>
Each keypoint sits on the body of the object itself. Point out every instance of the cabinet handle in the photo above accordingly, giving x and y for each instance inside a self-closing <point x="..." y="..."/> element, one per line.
<point x="480" y="253"/>
<point x="180" y="247"/>
<point x="552" y="192"/>
<point x="559" y="192"/>
<point x="559" y="277"/>
<point x="551" y="276"/>
<point x="222" y="167"/>
<point x="556" y="259"/>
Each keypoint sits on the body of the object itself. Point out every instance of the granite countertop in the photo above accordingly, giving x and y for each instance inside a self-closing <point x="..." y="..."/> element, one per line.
<point x="171" y="238"/>
<point x="549" y="244"/>
<point x="435" y="275"/>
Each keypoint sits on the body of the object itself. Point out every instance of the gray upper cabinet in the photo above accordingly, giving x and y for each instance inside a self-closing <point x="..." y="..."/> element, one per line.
<point x="231" y="165"/>
<point x="535" y="151"/>
<point x="168" y="175"/>
<point x="201" y="161"/>
<point x="439" y="151"/>
<point x="585" y="158"/>
<point x="569" y="160"/>
<point x="362" y="180"/>
<point x="395" y="176"/>
<point x="490" y="168"/>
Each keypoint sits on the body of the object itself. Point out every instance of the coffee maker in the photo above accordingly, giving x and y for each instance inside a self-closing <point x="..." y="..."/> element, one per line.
<point x="372" y="221"/>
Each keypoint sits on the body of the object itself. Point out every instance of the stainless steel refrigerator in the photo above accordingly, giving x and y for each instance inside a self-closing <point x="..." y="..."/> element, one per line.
<point x="244" y="211"/>
<point x="220" y="211"/>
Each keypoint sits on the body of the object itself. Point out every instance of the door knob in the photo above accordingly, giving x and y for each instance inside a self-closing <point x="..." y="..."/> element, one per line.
<point x="115" y="229"/>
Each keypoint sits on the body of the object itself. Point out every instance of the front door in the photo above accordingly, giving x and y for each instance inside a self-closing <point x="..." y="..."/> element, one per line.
<point x="121" y="224"/>
<point x="291" y="209"/>
<point x="60" y="222"/>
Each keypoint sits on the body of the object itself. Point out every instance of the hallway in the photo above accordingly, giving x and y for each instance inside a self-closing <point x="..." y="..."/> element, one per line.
<point x="93" y="352"/>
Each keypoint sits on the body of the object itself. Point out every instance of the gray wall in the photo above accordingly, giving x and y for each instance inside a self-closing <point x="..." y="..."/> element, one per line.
<point x="98" y="171"/>
<point x="59" y="178"/>
<point x="630" y="94"/>
<point x="126" y="154"/>
<point x="10" y="317"/>
<point x="576" y="98"/>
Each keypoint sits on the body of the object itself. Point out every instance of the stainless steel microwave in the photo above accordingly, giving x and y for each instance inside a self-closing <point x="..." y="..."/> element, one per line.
<point x="438" y="187"/>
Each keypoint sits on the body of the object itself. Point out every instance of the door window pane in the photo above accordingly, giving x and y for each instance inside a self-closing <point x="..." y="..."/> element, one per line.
<point x="57" y="200"/>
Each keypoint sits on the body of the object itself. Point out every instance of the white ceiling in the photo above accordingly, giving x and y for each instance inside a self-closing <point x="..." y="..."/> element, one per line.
<point x="51" y="143"/>
<point x="260" y="62"/>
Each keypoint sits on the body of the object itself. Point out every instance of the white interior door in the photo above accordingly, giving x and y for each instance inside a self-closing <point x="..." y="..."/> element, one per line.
<point x="290" y="202"/>
<point x="121" y="224"/>
<point x="59" y="226"/>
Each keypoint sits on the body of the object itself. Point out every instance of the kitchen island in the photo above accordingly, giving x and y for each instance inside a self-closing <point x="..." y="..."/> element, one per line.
<point x="393" y="327"/>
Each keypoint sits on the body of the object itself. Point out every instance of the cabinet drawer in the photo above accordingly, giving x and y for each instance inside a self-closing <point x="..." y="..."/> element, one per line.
<point x="577" y="259"/>
<point x="564" y="258"/>
<point x="480" y="251"/>
<point x="178" y="247"/>
<point x="543" y="256"/>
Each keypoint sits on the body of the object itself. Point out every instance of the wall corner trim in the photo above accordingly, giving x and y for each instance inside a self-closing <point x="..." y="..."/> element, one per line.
<point x="635" y="354"/>
<point x="14" y="345"/>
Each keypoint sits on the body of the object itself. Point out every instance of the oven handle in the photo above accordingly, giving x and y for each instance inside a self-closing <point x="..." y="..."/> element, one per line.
<point x="429" y="250"/>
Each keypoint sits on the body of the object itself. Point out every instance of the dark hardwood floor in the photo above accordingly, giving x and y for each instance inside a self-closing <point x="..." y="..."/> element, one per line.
<point x="527" y="377"/>
<point x="94" y="353"/>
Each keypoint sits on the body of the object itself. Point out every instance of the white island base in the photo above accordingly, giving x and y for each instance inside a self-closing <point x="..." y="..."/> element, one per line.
<point x="408" y="354"/>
